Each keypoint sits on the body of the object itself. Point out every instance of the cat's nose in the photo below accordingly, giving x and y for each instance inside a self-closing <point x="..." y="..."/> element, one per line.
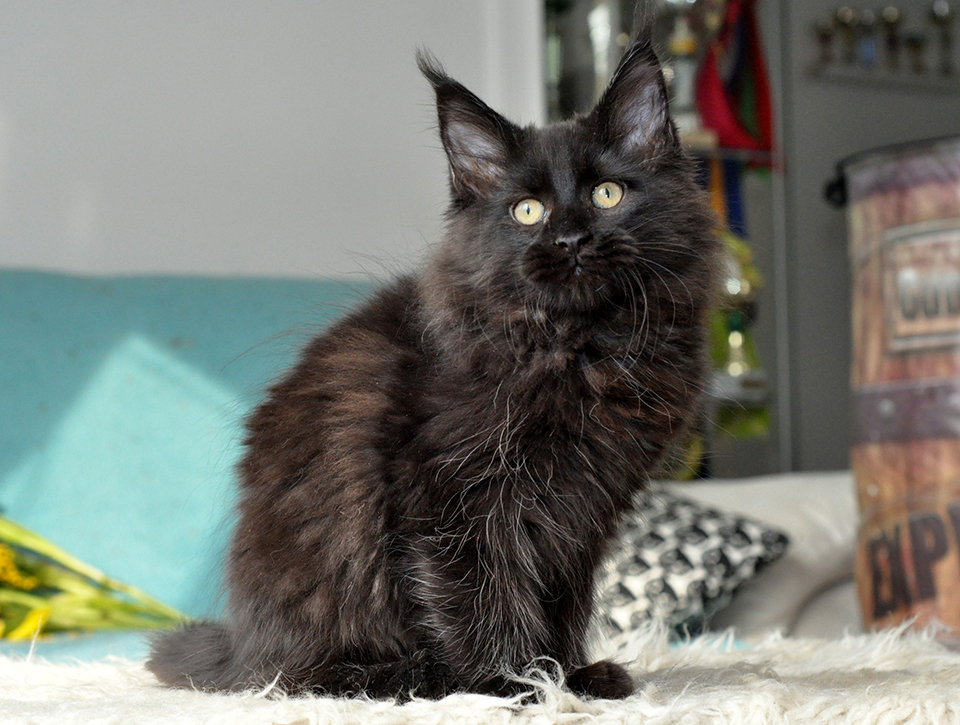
<point x="572" y="242"/>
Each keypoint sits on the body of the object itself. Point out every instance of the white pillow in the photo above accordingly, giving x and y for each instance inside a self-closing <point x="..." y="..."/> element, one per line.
<point x="818" y="512"/>
<point x="831" y="614"/>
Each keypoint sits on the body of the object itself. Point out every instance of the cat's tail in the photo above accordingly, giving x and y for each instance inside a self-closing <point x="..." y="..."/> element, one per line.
<point x="198" y="655"/>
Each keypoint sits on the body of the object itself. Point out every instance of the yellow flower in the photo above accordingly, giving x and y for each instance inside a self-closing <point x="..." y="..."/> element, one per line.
<point x="30" y="626"/>
<point x="56" y="592"/>
<point x="10" y="574"/>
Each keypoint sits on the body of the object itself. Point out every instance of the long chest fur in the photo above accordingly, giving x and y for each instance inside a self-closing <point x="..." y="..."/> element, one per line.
<point x="545" y="449"/>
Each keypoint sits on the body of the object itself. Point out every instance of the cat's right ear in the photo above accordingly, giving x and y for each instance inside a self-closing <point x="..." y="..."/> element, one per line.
<point x="633" y="110"/>
<point x="477" y="139"/>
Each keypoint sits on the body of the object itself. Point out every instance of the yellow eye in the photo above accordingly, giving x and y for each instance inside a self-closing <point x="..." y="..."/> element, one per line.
<point x="607" y="195"/>
<point x="528" y="211"/>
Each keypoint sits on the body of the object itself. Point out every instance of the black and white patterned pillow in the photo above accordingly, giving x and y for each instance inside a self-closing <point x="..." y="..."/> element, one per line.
<point x="680" y="561"/>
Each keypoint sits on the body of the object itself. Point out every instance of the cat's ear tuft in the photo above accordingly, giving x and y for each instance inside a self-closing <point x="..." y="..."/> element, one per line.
<point x="477" y="139"/>
<point x="632" y="111"/>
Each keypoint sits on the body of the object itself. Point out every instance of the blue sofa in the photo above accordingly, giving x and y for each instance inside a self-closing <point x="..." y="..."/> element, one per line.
<point x="123" y="400"/>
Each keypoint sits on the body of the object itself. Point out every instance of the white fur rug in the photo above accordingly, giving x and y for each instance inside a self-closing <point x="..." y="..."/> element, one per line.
<point x="894" y="677"/>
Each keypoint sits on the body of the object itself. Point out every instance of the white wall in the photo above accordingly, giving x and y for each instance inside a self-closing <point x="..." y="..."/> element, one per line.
<point x="240" y="138"/>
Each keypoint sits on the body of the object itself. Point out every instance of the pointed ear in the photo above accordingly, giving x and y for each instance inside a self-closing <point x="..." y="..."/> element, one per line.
<point x="633" y="112"/>
<point x="477" y="139"/>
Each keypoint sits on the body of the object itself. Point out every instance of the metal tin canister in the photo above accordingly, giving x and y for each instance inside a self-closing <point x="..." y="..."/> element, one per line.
<point x="903" y="213"/>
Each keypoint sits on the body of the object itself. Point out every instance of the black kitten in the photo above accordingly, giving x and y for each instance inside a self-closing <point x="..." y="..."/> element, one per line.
<point x="426" y="497"/>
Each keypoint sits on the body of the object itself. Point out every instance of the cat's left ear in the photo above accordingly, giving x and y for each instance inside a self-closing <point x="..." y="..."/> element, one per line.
<point x="477" y="139"/>
<point x="633" y="112"/>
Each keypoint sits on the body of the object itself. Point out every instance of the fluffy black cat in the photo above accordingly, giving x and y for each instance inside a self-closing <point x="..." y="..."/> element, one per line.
<point x="426" y="497"/>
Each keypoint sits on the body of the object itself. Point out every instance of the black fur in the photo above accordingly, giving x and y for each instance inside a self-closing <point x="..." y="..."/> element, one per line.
<point x="426" y="497"/>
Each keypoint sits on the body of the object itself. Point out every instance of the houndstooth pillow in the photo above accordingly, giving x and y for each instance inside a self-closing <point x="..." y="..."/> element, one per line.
<point x="681" y="561"/>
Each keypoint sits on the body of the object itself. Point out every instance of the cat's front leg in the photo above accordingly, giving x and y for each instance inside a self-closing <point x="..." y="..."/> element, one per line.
<point x="569" y="607"/>
<point x="603" y="679"/>
<point x="482" y="610"/>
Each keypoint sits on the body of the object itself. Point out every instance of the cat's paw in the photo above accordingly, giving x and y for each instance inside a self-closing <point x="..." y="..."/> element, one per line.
<point x="604" y="679"/>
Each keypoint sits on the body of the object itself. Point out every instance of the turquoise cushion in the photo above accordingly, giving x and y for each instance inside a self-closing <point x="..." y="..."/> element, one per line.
<point x="123" y="400"/>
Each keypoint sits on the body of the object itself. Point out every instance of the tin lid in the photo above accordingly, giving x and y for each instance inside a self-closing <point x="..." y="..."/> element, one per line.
<point x="894" y="165"/>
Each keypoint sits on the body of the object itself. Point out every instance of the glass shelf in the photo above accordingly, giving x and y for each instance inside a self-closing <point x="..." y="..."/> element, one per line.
<point x="880" y="77"/>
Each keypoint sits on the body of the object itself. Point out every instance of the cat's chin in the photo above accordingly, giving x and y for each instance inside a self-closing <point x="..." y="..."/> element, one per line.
<point x="583" y="293"/>
<point x="583" y="284"/>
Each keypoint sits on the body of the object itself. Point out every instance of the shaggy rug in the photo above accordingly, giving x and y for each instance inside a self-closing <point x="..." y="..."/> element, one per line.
<point x="893" y="677"/>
